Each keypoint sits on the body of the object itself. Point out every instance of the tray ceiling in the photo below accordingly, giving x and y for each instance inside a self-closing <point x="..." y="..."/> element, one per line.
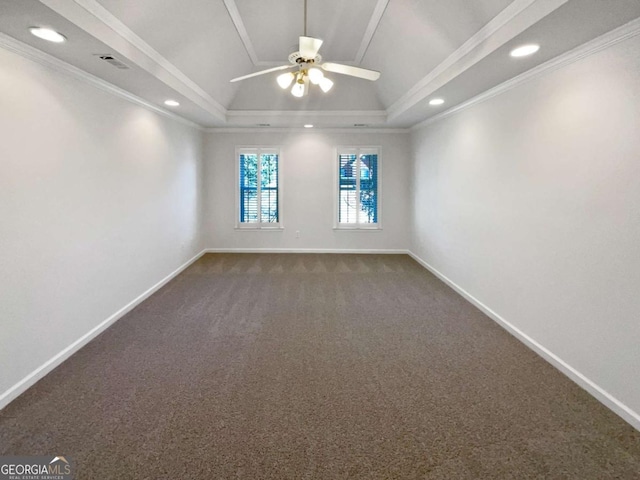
<point x="189" y="49"/>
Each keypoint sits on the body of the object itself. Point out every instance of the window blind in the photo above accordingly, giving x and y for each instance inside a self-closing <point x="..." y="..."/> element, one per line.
<point x="258" y="187"/>
<point x="358" y="188"/>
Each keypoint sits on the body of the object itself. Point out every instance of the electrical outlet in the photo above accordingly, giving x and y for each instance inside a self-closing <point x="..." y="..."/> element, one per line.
<point x="297" y="233"/>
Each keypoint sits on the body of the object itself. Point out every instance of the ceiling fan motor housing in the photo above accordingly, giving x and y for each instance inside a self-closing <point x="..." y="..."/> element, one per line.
<point x="296" y="59"/>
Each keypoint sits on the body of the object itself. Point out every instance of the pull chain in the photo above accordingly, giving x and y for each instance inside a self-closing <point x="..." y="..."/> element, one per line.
<point x="305" y="18"/>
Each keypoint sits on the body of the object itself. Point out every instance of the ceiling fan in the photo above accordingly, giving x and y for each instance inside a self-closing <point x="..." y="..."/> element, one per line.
<point x="309" y="67"/>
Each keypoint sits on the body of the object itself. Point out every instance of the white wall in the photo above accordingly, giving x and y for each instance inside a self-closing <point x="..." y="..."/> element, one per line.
<point x="99" y="201"/>
<point x="530" y="202"/>
<point x="307" y="160"/>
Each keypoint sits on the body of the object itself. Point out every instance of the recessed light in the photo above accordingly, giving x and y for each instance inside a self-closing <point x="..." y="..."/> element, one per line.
<point x="525" y="50"/>
<point x="47" y="34"/>
<point x="436" y="101"/>
<point x="171" y="103"/>
<point x="308" y="125"/>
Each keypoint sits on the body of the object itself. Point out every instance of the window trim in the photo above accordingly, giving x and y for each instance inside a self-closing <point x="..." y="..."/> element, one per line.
<point x="258" y="226"/>
<point x="359" y="150"/>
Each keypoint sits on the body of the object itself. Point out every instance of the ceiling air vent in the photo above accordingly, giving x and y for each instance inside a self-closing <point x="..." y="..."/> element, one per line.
<point x="264" y="124"/>
<point x="112" y="60"/>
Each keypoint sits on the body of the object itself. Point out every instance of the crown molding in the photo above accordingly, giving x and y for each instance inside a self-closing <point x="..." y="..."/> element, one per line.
<point x="295" y="118"/>
<point x="510" y="22"/>
<point x="92" y="17"/>
<point x="352" y="130"/>
<point x="305" y="113"/>
<point x="587" y="49"/>
<point x="60" y="66"/>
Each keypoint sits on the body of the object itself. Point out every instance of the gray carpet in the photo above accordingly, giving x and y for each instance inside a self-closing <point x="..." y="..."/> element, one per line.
<point x="315" y="366"/>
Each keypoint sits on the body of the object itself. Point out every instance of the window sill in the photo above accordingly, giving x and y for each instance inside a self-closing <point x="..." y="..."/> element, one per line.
<point x="357" y="229"/>
<point x="259" y="229"/>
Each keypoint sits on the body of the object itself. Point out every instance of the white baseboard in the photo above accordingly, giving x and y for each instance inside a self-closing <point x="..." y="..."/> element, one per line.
<point x="24" y="384"/>
<point x="309" y="250"/>
<point x="604" y="397"/>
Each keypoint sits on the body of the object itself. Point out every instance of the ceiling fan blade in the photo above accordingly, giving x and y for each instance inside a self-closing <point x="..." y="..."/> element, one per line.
<point x="349" y="70"/>
<point x="309" y="47"/>
<point x="262" y="72"/>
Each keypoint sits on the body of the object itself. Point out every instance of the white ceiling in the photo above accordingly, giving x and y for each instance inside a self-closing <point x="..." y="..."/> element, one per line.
<point x="189" y="49"/>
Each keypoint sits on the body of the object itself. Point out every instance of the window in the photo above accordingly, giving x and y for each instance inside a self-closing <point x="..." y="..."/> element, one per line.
<point x="258" y="194"/>
<point x="358" y="188"/>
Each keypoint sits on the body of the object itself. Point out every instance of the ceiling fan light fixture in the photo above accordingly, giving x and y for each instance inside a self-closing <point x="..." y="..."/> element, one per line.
<point x="325" y="84"/>
<point x="299" y="89"/>
<point x="285" y="80"/>
<point x="315" y="75"/>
